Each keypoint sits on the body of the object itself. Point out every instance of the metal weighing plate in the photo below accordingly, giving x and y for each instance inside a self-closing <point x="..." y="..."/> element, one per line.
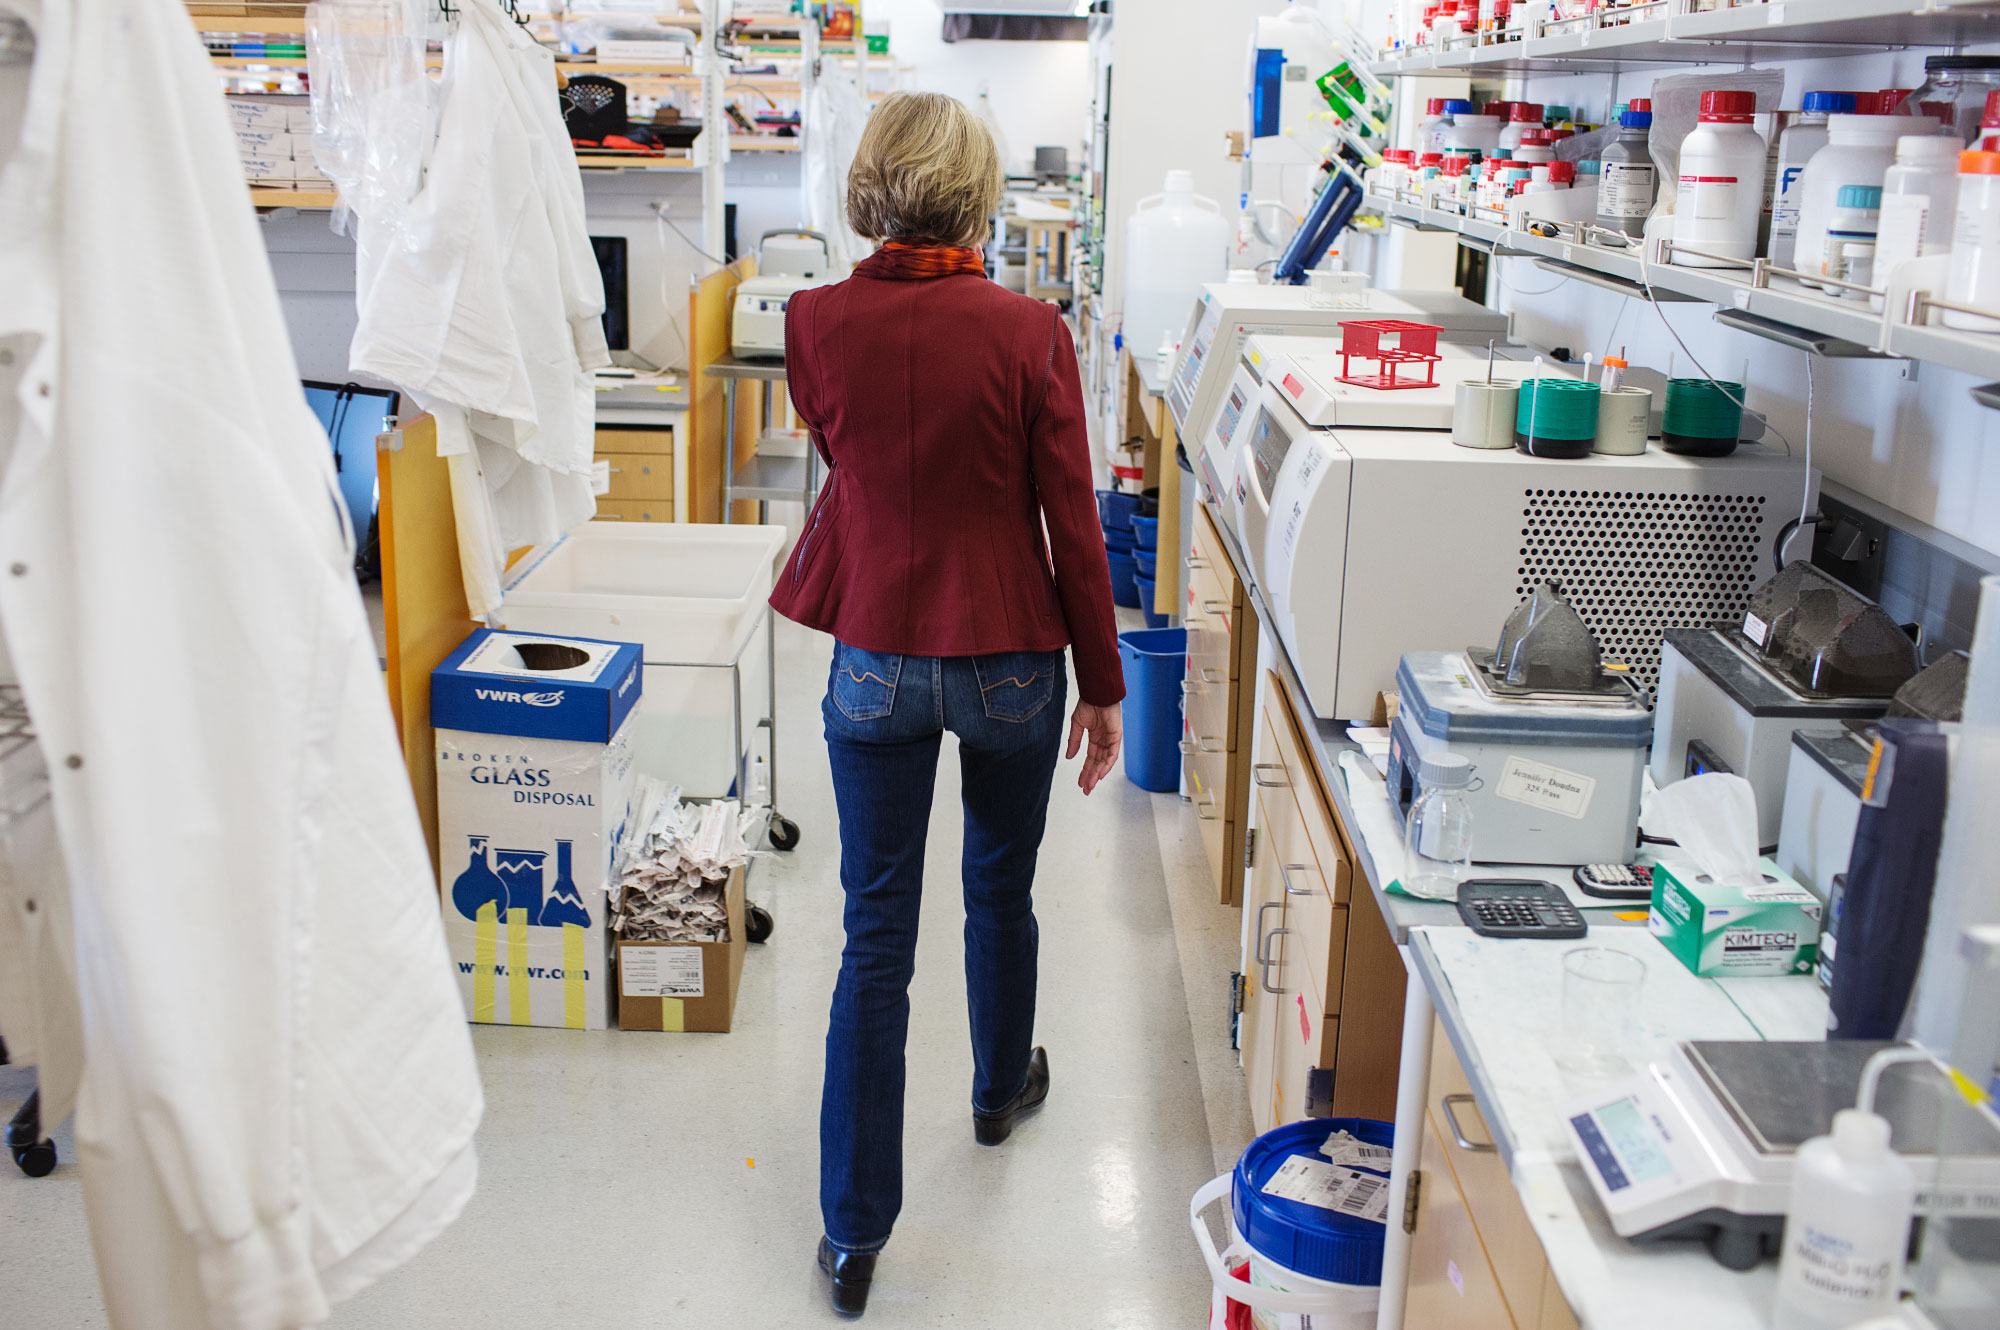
<point x="1781" y="1094"/>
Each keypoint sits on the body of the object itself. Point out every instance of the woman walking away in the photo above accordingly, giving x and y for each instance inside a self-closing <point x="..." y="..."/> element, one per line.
<point x="951" y="419"/>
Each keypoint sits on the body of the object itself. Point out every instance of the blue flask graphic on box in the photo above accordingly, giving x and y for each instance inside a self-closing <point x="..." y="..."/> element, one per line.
<point x="565" y="903"/>
<point x="478" y="884"/>
<point x="521" y="870"/>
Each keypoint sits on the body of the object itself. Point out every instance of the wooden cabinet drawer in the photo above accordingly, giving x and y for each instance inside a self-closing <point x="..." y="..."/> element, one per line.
<point x="1264" y="904"/>
<point x="641" y="476"/>
<point x="654" y="441"/>
<point x="1205" y="554"/>
<point x="1519" y="1266"/>
<point x="1304" y="1040"/>
<point x="1318" y="937"/>
<point x="1451" y="1283"/>
<point x="1281" y="734"/>
<point x="635" y="510"/>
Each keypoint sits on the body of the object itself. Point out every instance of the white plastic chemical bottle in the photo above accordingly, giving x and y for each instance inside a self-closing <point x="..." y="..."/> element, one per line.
<point x="1802" y="138"/>
<point x="1521" y="117"/>
<point x="1975" y="242"/>
<point x="1847" y="1227"/>
<point x="1720" y="195"/>
<point x="1919" y="203"/>
<point x="1170" y="250"/>
<point x="1858" y="151"/>
<point x="1850" y="239"/>
<point x="1433" y="123"/>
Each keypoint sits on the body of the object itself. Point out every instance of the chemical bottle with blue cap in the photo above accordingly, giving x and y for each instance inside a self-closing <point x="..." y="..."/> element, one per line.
<point x="1850" y="239"/>
<point x="1627" y="180"/>
<point x="1805" y="136"/>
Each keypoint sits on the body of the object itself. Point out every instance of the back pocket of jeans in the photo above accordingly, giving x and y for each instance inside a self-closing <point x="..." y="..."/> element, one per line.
<point x="1014" y="685"/>
<point x="864" y="682"/>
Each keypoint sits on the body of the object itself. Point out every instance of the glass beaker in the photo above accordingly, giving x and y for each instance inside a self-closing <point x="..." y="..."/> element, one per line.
<point x="1600" y="995"/>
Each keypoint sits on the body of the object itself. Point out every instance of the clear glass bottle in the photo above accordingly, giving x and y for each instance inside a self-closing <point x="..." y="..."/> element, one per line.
<point x="1954" y="92"/>
<point x="1437" y="838"/>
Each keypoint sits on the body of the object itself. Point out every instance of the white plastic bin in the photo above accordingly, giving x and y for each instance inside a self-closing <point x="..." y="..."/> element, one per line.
<point x="691" y="595"/>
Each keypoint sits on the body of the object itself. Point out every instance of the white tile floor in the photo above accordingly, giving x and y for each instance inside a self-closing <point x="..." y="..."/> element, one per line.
<point x="635" y="1181"/>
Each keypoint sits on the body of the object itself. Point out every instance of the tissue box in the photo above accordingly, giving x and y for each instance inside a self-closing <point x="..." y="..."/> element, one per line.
<point x="535" y="777"/>
<point x="1771" y="929"/>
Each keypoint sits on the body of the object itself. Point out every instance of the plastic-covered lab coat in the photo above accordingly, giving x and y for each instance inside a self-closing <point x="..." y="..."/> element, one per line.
<point x="485" y="300"/>
<point x="278" y="1092"/>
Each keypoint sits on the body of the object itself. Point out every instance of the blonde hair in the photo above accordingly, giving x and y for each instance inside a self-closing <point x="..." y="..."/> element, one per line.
<point x="926" y="170"/>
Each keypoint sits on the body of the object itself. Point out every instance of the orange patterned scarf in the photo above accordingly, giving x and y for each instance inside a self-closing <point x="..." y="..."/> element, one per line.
<point x="897" y="261"/>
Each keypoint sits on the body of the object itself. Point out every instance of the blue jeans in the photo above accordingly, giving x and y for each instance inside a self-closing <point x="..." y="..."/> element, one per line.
<point x="885" y="718"/>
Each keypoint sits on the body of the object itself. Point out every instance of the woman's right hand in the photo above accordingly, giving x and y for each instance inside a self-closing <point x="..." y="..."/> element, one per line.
<point x="1106" y="728"/>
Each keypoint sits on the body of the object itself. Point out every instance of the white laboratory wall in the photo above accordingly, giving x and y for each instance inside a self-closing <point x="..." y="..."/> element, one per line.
<point x="1917" y="443"/>
<point x="1040" y="90"/>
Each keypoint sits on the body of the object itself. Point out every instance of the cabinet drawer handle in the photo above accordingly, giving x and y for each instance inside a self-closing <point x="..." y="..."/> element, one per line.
<point x="1203" y="741"/>
<point x="1265" y="978"/>
<point x="1285" y="877"/>
<point x="1257" y="952"/>
<point x="1457" y="1133"/>
<point x="1200" y="804"/>
<point x="1208" y="675"/>
<point x="1215" y="607"/>
<point x="608" y="517"/>
<point x="1190" y="686"/>
<point x="1258" y="768"/>
<point x="1188" y="748"/>
<point x="1198" y="561"/>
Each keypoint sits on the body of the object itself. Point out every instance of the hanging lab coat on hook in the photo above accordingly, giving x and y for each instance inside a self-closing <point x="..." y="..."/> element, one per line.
<point x="486" y="304"/>
<point x="278" y="1093"/>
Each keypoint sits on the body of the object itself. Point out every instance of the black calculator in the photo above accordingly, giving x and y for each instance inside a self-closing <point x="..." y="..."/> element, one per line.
<point x="1518" y="907"/>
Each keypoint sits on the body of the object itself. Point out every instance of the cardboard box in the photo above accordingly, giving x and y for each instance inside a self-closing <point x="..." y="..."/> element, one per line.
<point x="1735" y="932"/>
<point x="684" y="985"/>
<point x="271" y="116"/>
<point x="277" y="170"/>
<point x="535" y="781"/>
<point x="299" y="119"/>
<point x="254" y="142"/>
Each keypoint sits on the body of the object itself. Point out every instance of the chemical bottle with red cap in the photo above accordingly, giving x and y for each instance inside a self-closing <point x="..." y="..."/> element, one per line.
<point x="1627" y="180"/>
<point x="1720" y="193"/>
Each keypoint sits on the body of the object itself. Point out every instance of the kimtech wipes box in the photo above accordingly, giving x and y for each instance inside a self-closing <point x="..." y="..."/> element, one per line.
<point x="535" y="780"/>
<point x="1769" y="929"/>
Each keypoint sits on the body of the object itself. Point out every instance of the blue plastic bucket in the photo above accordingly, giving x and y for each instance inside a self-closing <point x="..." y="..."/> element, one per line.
<point x="1321" y="1244"/>
<point x="1147" y="563"/>
<point x="1124" y="571"/>
<point x="1118" y="542"/>
<point x="1115" y="510"/>
<point x="1146" y="585"/>
<point x="1155" y="663"/>
<point x="1146" y="531"/>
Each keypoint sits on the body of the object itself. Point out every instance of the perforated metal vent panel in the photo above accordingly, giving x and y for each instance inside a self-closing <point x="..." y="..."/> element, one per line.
<point x="1637" y="562"/>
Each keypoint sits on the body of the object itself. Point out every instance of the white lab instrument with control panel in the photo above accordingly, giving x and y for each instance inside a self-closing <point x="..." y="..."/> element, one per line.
<point x="1381" y="541"/>
<point x="1227" y="313"/>
<point x="1702" y="1145"/>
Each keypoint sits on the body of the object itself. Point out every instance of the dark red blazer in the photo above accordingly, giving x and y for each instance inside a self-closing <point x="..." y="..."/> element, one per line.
<point x="951" y="418"/>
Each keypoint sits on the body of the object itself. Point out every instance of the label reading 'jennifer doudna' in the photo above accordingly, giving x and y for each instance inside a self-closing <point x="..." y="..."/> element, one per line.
<point x="1539" y="785"/>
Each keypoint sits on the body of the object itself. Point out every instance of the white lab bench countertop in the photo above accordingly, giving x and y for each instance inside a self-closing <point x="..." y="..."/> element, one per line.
<point x="1500" y="1004"/>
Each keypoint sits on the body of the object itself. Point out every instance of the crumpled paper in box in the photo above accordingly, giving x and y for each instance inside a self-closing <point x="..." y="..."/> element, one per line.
<point x="673" y="873"/>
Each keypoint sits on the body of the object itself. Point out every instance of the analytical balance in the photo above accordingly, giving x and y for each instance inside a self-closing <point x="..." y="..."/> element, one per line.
<point x="1556" y="740"/>
<point x="1229" y="312"/>
<point x="1702" y="1145"/>
<point x="1382" y="541"/>
<point x="1804" y="652"/>
<point x="788" y="263"/>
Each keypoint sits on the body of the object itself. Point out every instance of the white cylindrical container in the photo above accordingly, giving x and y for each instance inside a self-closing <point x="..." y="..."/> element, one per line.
<point x="1440" y="139"/>
<point x="1858" y="151"/>
<point x="1471" y="133"/>
<point x="1622" y="414"/>
<point x="1975" y="242"/>
<point x="1720" y="195"/>
<point x="1536" y="146"/>
<point x="1919" y="203"/>
<point x="1850" y="238"/>
<point x="1802" y="138"/>
<point x="1847" y="1227"/>
<point x="1482" y="413"/>
<point x="1521" y="117"/>
<point x="1174" y="242"/>
<point x="1435" y="120"/>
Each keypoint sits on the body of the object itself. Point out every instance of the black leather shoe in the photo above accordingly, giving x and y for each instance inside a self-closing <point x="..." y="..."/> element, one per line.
<point x="993" y="1128"/>
<point x="849" y="1274"/>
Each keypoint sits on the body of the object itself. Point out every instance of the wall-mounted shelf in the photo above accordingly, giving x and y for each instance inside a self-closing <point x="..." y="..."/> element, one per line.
<point x="1672" y="32"/>
<point x="263" y="197"/>
<point x="1781" y="300"/>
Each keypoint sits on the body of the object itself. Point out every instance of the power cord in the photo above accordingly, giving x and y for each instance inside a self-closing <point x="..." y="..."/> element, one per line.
<point x="1646" y="283"/>
<point x="1806" y="515"/>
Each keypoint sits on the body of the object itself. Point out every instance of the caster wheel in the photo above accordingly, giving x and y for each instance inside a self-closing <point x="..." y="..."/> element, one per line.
<point x="759" y="924"/>
<point x="784" y="832"/>
<point x="37" y="1160"/>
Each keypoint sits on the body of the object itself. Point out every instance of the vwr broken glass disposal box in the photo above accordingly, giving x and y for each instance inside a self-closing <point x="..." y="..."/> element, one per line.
<point x="535" y="781"/>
